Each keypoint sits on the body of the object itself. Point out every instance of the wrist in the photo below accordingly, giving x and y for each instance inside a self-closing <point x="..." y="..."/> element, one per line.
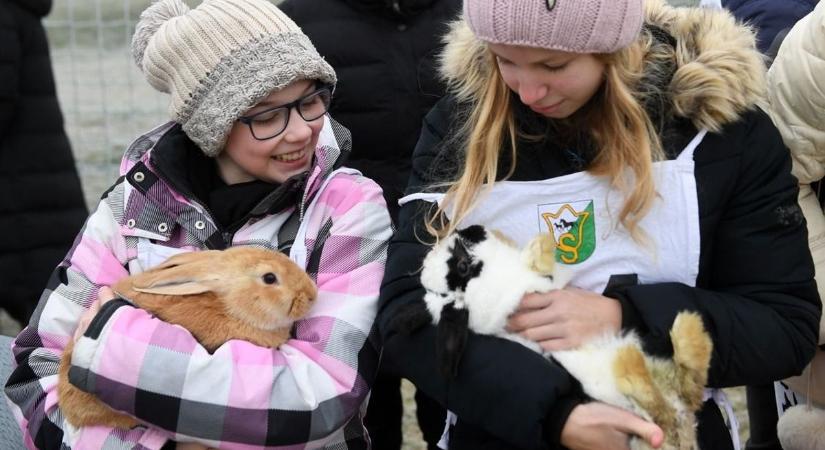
<point x="102" y="317"/>
<point x="557" y="418"/>
<point x="617" y="315"/>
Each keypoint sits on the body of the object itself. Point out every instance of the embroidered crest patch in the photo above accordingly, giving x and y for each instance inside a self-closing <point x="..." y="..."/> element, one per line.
<point x="574" y="229"/>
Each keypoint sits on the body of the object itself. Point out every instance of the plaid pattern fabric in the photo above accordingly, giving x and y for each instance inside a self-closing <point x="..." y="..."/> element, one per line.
<point x="310" y="393"/>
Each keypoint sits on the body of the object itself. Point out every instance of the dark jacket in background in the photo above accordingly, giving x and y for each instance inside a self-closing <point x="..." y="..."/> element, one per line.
<point x="384" y="52"/>
<point x="769" y="17"/>
<point x="41" y="203"/>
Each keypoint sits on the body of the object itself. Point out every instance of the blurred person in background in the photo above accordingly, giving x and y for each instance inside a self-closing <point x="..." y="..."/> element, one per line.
<point x="384" y="53"/>
<point x="796" y="91"/>
<point x="41" y="201"/>
<point x="771" y="19"/>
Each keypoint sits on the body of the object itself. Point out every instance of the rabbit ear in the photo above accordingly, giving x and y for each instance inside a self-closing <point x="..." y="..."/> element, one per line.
<point x="187" y="258"/>
<point x="180" y="288"/>
<point x="451" y="337"/>
<point x="504" y="238"/>
<point x="182" y="274"/>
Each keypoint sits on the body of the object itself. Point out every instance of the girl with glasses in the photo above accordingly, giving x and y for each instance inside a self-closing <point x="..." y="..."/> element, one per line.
<point x="249" y="158"/>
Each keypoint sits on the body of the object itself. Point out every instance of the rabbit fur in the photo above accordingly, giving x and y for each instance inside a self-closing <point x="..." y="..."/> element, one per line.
<point x="474" y="279"/>
<point x="243" y="293"/>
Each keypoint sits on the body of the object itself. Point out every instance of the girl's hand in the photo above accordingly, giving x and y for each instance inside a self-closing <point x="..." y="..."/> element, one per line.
<point x="598" y="426"/>
<point x="104" y="295"/>
<point x="565" y="318"/>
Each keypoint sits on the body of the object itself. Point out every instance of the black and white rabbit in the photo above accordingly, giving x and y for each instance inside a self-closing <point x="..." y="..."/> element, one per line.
<point x="475" y="279"/>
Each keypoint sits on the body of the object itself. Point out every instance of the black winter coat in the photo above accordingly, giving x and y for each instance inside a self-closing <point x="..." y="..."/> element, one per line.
<point x="41" y="202"/>
<point x="384" y="54"/>
<point x="755" y="289"/>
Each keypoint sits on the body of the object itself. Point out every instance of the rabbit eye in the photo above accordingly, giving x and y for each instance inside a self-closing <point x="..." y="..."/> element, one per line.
<point x="269" y="278"/>
<point x="463" y="268"/>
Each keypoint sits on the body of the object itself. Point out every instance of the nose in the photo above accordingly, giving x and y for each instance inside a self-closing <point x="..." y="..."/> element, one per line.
<point x="531" y="91"/>
<point x="297" y="130"/>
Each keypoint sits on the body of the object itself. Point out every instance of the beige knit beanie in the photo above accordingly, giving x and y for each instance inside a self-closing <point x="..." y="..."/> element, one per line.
<point x="221" y="58"/>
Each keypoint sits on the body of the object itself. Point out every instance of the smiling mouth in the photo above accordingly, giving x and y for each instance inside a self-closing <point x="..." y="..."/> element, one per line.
<point x="289" y="157"/>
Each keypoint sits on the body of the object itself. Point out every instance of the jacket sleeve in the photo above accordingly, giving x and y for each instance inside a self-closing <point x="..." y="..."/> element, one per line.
<point x="96" y="259"/>
<point x="797" y="96"/>
<point x="306" y="391"/>
<point x="502" y="387"/>
<point x="10" y="54"/>
<point x="757" y="295"/>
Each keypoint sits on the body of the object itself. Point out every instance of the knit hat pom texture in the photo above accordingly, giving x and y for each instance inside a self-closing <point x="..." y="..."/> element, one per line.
<point x="151" y="19"/>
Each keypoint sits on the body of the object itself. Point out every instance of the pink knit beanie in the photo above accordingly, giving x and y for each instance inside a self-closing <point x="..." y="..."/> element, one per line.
<point x="577" y="26"/>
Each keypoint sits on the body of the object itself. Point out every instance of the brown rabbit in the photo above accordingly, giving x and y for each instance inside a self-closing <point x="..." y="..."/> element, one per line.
<point x="240" y="293"/>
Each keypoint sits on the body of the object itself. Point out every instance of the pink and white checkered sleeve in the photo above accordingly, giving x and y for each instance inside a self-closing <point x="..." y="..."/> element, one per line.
<point x="96" y="259"/>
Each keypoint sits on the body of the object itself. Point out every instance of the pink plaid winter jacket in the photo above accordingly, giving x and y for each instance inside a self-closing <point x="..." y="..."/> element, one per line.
<point x="310" y="393"/>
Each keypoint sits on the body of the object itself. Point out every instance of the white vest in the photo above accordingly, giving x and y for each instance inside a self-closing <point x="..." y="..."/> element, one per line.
<point x="582" y="210"/>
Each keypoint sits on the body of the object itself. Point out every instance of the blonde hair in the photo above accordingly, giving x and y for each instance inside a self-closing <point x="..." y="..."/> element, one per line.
<point x="623" y="134"/>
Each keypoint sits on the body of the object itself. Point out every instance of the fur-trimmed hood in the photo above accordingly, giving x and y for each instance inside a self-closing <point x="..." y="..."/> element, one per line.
<point x="719" y="72"/>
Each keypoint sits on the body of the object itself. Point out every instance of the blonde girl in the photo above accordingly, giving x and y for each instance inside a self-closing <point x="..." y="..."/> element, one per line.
<point x="631" y="132"/>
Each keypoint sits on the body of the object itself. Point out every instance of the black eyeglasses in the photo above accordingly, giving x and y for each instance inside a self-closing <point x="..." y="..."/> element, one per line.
<point x="272" y="122"/>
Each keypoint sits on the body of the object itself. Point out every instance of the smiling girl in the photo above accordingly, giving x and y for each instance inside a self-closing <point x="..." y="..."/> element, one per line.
<point x="250" y="158"/>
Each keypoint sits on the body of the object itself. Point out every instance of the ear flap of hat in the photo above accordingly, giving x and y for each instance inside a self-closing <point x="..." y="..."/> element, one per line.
<point x="150" y="22"/>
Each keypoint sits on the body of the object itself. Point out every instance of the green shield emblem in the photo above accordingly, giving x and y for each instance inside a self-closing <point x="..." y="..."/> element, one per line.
<point x="574" y="229"/>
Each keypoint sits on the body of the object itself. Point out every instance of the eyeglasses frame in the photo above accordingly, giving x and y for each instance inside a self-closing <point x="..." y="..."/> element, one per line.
<point x="289" y="107"/>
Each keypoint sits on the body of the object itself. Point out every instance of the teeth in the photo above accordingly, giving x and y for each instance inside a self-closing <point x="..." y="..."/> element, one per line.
<point x="290" y="156"/>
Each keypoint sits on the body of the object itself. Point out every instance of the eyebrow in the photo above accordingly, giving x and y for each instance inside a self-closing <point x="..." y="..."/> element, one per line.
<point x="561" y="59"/>
<point x="309" y="89"/>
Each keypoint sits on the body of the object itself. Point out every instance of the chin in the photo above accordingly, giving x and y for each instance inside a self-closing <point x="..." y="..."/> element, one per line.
<point x="559" y="115"/>
<point x="283" y="176"/>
